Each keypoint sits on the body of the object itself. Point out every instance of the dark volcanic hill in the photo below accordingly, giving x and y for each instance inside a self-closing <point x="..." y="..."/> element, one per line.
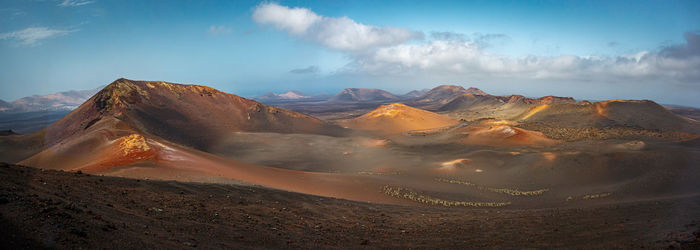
<point x="443" y="94"/>
<point x="190" y="115"/>
<point x="362" y="95"/>
<point x="539" y="101"/>
<point x="471" y="101"/>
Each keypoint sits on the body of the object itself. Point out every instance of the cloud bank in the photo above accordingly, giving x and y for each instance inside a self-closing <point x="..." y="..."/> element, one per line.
<point x="393" y="51"/>
<point x="680" y="63"/>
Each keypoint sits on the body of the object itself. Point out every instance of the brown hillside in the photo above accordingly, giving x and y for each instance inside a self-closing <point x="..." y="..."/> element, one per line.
<point x="191" y="115"/>
<point x="632" y="113"/>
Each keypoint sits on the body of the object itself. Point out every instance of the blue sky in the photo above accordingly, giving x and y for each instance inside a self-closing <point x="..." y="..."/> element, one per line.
<point x="584" y="49"/>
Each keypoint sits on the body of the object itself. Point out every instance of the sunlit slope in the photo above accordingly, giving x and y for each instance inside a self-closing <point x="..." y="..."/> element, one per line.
<point x="398" y="118"/>
<point x="629" y="113"/>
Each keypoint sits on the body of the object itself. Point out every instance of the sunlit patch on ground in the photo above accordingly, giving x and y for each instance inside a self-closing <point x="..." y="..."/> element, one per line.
<point x="451" y="166"/>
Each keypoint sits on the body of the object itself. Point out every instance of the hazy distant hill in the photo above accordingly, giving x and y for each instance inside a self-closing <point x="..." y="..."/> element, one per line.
<point x="415" y="94"/>
<point x="67" y="100"/>
<point x="289" y="95"/>
<point x="363" y="95"/>
<point x="4" y="105"/>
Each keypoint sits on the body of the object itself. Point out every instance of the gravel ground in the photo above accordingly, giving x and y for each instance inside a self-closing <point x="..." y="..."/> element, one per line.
<point x="53" y="209"/>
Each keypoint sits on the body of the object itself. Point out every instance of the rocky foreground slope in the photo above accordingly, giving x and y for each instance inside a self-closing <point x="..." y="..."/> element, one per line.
<point x="50" y="209"/>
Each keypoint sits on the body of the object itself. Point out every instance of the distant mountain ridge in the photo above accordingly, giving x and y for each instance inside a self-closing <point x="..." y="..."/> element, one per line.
<point x="61" y="101"/>
<point x="4" y="105"/>
<point x="415" y="93"/>
<point x="362" y="94"/>
<point x="289" y="95"/>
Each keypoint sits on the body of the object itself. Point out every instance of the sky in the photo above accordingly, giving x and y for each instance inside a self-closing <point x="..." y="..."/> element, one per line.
<point x="590" y="50"/>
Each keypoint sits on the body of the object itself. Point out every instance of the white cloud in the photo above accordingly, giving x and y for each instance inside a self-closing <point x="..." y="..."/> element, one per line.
<point x="469" y="59"/>
<point x="336" y="33"/>
<point x="74" y="3"/>
<point x="293" y="20"/>
<point x="393" y="51"/>
<point x="33" y="35"/>
<point x="219" y="30"/>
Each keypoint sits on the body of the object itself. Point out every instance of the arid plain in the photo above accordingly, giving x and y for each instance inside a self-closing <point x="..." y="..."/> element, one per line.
<point x="380" y="169"/>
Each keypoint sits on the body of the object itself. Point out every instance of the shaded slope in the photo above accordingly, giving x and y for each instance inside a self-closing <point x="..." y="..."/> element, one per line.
<point x="469" y="101"/>
<point x="17" y="147"/>
<point x="119" y="152"/>
<point x="397" y="118"/>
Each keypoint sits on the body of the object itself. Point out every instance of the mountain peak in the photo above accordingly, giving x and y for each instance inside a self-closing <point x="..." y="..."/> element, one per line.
<point x="390" y="110"/>
<point x="119" y="94"/>
<point x="442" y="94"/>
<point x="475" y="91"/>
<point x="123" y="92"/>
<point x="453" y="88"/>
